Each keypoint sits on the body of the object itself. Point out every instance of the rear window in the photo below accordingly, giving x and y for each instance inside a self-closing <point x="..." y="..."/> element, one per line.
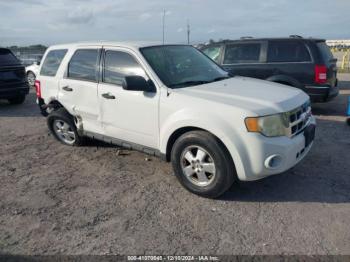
<point x="83" y="65"/>
<point x="325" y="51"/>
<point x="242" y="53"/>
<point x="8" y="58"/>
<point x="287" y="51"/>
<point x="213" y="52"/>
<point x="52" y="62"/>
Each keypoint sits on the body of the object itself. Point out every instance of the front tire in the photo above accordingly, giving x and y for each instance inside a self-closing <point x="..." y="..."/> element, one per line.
<point x="17" y="100"/>
<point x="61" y="125"/>
<point x="202" y="164"/>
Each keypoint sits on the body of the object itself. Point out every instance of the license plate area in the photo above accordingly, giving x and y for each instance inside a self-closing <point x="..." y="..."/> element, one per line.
<point x="309" y="134"/>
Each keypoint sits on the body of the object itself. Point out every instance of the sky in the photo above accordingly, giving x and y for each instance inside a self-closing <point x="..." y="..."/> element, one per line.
<point x="25" y="22"/>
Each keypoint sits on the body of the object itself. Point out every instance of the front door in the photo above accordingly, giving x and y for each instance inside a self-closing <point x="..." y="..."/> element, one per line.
<point x="130" y="116"/>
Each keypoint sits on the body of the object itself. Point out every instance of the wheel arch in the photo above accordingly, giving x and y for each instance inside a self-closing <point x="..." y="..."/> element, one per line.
<point x="55" y="104"/>
<point x="30" y="71"/>
<point x="227" y="134"/>
<point x="232" y="152"/>
<point x="175" y="135"/>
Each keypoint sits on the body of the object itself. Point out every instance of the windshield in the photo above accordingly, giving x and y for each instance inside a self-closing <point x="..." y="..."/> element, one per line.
<point x="182" y="66"/>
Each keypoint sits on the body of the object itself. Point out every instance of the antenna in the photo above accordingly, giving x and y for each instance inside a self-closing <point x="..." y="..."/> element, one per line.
<point x="163" y="26"/>
<point x="188" y="32"/>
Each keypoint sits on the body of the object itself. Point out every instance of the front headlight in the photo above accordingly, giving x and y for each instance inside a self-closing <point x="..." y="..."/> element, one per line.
<point x="271" y="126"/>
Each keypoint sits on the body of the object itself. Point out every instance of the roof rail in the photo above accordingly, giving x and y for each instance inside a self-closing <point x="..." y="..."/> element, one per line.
<point x="247" y="37"/>
<point x="295" y="36"/>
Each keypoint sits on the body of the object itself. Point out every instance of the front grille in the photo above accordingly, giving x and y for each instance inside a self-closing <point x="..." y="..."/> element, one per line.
<point x="299" y="119"/>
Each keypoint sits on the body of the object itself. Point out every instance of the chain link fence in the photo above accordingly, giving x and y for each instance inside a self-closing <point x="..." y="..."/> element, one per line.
<point x="29" y="55"/>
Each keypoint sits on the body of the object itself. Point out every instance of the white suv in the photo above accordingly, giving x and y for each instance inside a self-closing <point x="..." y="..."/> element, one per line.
<point x="174" y="102"/>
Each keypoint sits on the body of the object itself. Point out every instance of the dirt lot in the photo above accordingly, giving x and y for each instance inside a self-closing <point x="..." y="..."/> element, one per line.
<point x="99" y="200"/>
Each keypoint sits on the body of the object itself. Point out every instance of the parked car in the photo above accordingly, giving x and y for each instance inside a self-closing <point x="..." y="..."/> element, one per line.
<point x="174" y="102"/>
<point x="305" y="63"/>
<point x="13" y="82"/>
<point x="32" y="71"/>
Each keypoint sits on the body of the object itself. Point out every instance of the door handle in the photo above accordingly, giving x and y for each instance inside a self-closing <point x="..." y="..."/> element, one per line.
<point x="67" y="88"/>
<point x="108" y="96"/>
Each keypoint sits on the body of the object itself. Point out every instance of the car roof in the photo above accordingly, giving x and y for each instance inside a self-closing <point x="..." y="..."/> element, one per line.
<point x="131" y="45"/>
<point x="252" y="39"/>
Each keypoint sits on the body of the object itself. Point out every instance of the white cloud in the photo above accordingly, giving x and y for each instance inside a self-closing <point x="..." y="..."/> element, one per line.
<point x="180" y="30"/>
<point x="80" y="16"/>
<point x="145" y="16"/>
<point x="74" y="20"/>
<point x="167" y="12"/>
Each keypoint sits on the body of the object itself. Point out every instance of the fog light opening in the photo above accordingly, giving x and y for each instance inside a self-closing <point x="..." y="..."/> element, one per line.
<point x="273" y="162"/>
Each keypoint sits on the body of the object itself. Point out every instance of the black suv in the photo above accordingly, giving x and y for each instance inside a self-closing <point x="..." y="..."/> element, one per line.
<point x="305" y="63"/>
<point x="13" y="82"/>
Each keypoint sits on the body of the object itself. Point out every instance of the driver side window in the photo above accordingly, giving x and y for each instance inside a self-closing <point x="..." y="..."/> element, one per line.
<point x="118" y="65"/>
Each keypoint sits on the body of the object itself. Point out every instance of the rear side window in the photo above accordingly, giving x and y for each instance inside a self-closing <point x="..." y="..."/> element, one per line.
<point x="325" y="51"/>
<point x="242" y="53"/>
<point x="213" y="52"/>
<point x="83" y="65"/>
<point x="118" y="65"/>
<point x="8" y="58"/>
<point x="287" y="51"/>
<point x="52" y="62"/>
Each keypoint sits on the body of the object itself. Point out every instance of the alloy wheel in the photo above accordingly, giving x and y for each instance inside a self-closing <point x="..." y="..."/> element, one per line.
<point x="198" y="166"/>
<point x="64" y="131"/>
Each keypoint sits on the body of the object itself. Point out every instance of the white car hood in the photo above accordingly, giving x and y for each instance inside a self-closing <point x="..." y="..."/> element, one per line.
<point x="261" y="97"/>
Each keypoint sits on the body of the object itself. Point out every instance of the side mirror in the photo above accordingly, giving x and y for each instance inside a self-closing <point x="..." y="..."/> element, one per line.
<point x="37" y="63"/>
<point x="138" y="83"/>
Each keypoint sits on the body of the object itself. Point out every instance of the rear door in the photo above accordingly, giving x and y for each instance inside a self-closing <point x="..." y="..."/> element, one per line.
<point x="78" y="88"/>
<point x="48" y="75"/>
<point x="12" y="73"/>
<point x="289" y="58"/>
<point x="244" y="58"/>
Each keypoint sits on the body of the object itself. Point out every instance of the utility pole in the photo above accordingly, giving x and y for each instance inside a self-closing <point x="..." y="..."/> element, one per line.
<point x="188" y="32"/>
<point x="163" y="26"/>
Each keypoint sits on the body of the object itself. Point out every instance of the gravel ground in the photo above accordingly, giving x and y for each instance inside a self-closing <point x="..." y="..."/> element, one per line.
<point x="99" y="199"/>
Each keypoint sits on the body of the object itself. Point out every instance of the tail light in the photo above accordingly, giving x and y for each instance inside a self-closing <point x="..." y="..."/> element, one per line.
<point x="38" y="88"/>
<point x="320" y="74"/>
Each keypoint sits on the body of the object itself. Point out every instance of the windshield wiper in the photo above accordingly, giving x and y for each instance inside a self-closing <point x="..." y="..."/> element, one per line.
<point x="189" y="83"/>
<point x="198" y="82"/>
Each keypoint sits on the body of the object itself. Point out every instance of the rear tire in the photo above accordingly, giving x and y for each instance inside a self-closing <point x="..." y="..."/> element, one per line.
<point x="62" y="127"/>
<point x="202" y="164"/>
<point x="17" y="100"/>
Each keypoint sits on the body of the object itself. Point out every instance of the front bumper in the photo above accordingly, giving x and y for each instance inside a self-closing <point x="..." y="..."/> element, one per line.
<point x="284" y="152"/>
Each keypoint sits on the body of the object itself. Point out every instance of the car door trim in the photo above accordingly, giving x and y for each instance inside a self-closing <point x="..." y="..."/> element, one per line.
<point x="125" y="144"/>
